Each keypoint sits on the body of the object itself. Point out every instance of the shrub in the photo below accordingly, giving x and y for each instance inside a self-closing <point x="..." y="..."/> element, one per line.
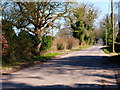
<point x="20" y="48"/>
<point x="25" y="46"/>
<point x="66" y="43"/>
<point x="60" y="43"/>
<point x="60" y="46"/>
<point x="46" y="43"/>
<point x="10" y="37"/>
<point x="69" y="45"/>
<point x="72" y="42"/>
<point x="4" y="45"/>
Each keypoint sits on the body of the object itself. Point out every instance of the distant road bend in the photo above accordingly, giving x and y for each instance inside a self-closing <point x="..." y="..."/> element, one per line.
<point x="80" y="69"/>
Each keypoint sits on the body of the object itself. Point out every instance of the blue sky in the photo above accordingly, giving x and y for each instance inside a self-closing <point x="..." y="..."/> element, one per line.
<point x="104" y="8"/>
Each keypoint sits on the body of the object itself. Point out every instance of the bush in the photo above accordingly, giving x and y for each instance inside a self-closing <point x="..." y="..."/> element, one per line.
<point x="72" y="42"/>
<point x="4" y="45"/>
<point x="60" y="46"/>
<point x="69" y="45"/>
<point x="66" y="43"/>
<point x="10" y="37"/>
<point x="25" y="46"/>
<point x="107" y="49"/>
<point x="21" y="47"/>
<point x="46" y="43"/>
<point x="60" y="43"/>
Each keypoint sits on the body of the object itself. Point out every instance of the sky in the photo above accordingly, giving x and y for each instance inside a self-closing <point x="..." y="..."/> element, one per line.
<point x="103" y="5"/>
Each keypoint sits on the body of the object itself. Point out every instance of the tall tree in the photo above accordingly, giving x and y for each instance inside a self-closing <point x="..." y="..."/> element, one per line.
<point x="35" y="17"/>
<point x="82" y="21"/>
<point x="106" y="25"/>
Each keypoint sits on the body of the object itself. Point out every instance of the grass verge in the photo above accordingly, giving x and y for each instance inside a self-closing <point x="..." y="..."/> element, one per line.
<point x="107" y="49"/>
<point x="45" y="57"/>
<point x="82" y="47"/>
<point x="38" y="59"/>
<point x="30" y="62"/>
<point x="114" y="57"/>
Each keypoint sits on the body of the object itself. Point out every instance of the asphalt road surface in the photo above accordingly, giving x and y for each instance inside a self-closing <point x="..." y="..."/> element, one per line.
<point x="80" y="69"/>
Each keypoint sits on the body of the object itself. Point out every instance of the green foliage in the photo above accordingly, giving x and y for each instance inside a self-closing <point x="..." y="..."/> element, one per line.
<point x="49" y="55"/>
<point x="82" y="47"/>
<point x="46" y="43"/>
<point x="35" y="17"/>
<point x="107" y="49"/>
<point x="25" y="45"/>
<point x="46" y="56"/>
<point x="106" y="29"/>
<point x="91" y="38"/>
<point x="88" y="40"/>
<point x="11" y="40"/>
<point x="78" y="30"/>
<point x="84" y="17"/>
<point x="21" y="47"/>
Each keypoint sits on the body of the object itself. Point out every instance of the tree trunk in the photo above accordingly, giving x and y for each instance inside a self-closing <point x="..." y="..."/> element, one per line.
<point x="39" y="35"/>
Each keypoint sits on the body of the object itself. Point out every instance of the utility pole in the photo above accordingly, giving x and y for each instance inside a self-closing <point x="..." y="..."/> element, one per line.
<point x="106" y="36"/>
<point x="112" y="22"/>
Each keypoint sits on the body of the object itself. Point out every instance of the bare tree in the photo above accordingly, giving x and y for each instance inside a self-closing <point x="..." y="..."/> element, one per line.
<point x="35" y="17"/>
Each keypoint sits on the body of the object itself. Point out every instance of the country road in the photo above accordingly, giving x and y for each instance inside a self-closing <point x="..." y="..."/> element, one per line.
<point x="80" y="69"/>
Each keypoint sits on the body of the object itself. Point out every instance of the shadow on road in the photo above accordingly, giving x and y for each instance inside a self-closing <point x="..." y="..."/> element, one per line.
<point x="23" y="86"/>
<point x="59" y="66"/>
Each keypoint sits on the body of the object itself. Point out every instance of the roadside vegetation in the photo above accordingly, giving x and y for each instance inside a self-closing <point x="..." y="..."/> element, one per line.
<point x="106" y="30"/>
<point x="30" y="62"/>
<point x="28" y="30"/>
<point x="107" y="49"/>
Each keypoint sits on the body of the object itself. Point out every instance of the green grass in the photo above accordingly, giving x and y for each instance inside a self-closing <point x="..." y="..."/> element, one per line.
<point x="49" y="55"/>
<point x="80" y="48"/>
<point x="45" y="57"/>
<point x="41" y="58"/>
<point x="107" y="49"/>
<point x="7" y="67"/>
